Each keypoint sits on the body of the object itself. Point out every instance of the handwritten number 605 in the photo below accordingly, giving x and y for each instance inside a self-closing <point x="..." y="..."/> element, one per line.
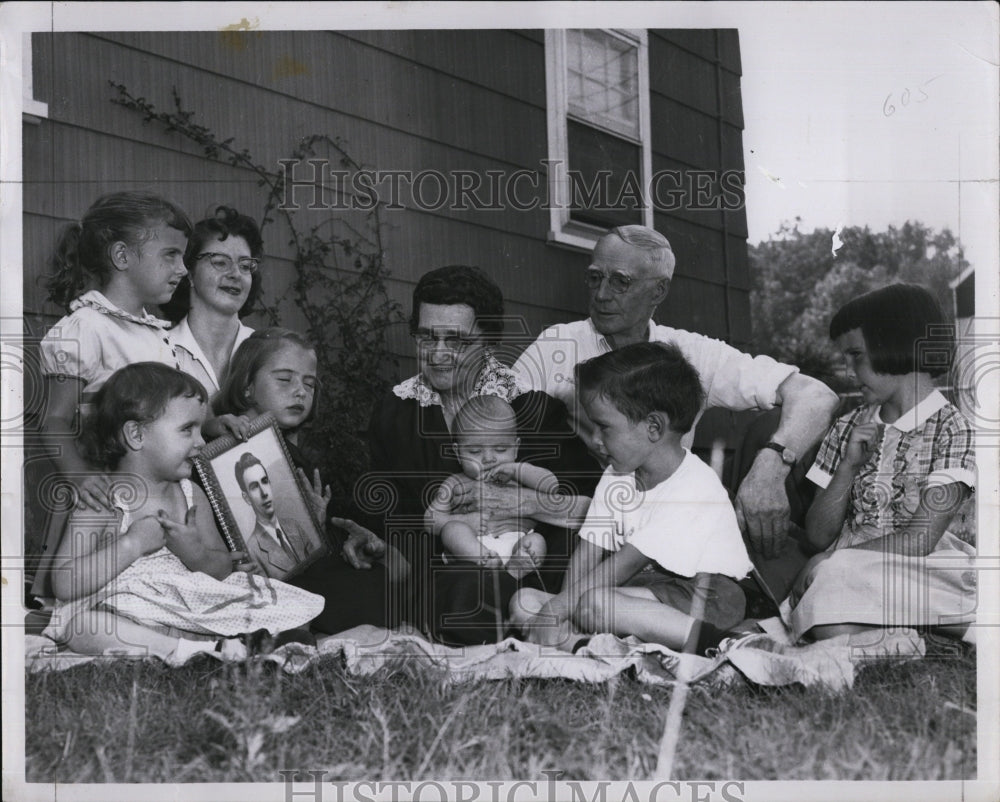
<point x="905" y="98"/>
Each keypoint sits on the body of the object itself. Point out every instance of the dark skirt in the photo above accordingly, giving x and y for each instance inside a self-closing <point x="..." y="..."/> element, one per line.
<point x="353" y="596"/>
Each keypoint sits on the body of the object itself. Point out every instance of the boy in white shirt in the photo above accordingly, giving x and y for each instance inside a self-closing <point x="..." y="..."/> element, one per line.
<point x="660" y="525"/>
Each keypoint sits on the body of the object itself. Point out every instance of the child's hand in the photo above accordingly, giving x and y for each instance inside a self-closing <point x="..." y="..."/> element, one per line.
<point x="363" y="547"/>
<point x="147" y="534"/>
<point x="178" y="535"/>
<point x="93" y="491"/>
<point x="864" y="439"/>
<point x="501" y="474"/>
<point x="236" y="425"/>
<point x="318" y="494"/>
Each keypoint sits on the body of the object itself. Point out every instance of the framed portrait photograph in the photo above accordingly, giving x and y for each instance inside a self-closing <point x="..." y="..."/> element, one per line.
<point x="259" y="502"/>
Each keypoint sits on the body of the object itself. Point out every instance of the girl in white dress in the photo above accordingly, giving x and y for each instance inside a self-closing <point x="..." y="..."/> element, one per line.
<point x="152" y="575"/>
<point x="108" y="270"/>
<point x="124" y="257"/>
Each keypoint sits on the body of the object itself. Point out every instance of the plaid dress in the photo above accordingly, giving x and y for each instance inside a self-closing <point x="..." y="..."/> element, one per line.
<point x="929" y="445"/>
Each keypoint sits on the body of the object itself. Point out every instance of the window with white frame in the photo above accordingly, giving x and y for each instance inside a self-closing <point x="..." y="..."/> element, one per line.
<point x="600" y="165"/>
<point x="32" y="111"/>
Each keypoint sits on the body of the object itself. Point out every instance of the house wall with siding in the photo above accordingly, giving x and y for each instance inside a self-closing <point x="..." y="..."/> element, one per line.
<point x="406" y="100"/>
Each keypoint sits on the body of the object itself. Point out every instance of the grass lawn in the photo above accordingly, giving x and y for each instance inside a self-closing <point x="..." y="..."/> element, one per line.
<point x="143" y="722"/>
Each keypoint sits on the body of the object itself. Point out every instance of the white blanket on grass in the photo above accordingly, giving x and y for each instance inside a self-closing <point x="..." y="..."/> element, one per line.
<point x="766" y="659"/>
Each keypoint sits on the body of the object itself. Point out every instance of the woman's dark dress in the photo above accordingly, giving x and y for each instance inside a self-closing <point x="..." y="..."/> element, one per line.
<point x="353" y="596"/>
<point x="411" y="454"/>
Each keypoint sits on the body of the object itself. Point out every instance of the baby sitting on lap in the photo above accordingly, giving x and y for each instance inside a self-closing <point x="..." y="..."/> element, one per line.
<point x="486" y="443"/>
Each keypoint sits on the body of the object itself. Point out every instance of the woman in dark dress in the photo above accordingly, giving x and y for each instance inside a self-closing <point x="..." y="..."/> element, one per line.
<point x="456" y="322"/>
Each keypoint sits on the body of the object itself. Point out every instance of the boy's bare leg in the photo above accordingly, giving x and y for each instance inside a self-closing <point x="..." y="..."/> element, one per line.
<point x="546" y="628"/>
<point x="526" y="604"/>
<point x="633" y="611"/>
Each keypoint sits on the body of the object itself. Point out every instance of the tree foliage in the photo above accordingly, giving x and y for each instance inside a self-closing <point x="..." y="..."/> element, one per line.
<point x="798" y="282"/>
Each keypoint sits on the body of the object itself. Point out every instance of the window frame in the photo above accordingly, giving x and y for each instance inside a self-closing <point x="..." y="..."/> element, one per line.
<point x="32" y="111"/>
<point x="563" y="230"/>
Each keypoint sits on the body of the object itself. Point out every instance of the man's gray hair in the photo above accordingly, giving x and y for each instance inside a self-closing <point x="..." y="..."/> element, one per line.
<point x="659" y="254"/>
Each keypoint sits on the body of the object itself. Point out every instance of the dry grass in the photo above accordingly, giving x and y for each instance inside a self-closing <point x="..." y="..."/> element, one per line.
<point x="143" y="722"/>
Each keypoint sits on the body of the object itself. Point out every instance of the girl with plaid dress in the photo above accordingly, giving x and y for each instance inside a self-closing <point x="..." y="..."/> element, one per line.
<point x="892" y="476"/>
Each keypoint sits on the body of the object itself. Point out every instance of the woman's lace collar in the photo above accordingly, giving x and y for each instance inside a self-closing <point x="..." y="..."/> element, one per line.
<point x="494" y="379"/>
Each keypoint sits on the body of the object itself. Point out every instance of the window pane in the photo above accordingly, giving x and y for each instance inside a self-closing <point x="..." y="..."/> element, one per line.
<point x="615" y="197"/>
<point x="607" y="96"/>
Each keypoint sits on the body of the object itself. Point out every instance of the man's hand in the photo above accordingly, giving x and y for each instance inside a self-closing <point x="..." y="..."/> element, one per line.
<point x="762" y="508"/>
<point x="363" y="547"/>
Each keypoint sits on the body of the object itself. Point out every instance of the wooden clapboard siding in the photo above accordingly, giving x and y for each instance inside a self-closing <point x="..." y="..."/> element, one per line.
<point x="696" y="124"/>
<point x="400" y="100"/>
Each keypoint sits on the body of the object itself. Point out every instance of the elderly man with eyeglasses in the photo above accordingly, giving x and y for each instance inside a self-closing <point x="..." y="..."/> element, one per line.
<point x="629" y="277"/>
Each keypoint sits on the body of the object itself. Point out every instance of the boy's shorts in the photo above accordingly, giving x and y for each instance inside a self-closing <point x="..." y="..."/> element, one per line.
<point x="725" y="605"/>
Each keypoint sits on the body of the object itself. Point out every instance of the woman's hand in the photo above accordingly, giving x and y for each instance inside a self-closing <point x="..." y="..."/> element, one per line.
<point x="363" y="547"/>
<point x="236" y="425"/>
<point x="319" y="495"/>
<point x="502" y="507"/>
<point x="93" y="491"/>
<point x="863" y="440"/>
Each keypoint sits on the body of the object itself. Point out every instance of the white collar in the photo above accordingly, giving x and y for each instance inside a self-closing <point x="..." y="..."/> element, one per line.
<point x="182" y="336"/>
<point x="92" y="299"/>
<point x="918" y="415"/>
<point x="604" y="345"/>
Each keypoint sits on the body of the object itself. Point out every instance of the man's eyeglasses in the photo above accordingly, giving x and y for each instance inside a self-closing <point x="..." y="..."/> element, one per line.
<point x="223" y="262"/>
<point x="618" y="282"/>
<point x="453" y="341"/>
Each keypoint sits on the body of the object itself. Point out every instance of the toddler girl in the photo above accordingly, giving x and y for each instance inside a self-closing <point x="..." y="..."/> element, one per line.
<point x="274" y="370"/>
<point x="151" y="575"/>
<point x="892" y="475"/>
